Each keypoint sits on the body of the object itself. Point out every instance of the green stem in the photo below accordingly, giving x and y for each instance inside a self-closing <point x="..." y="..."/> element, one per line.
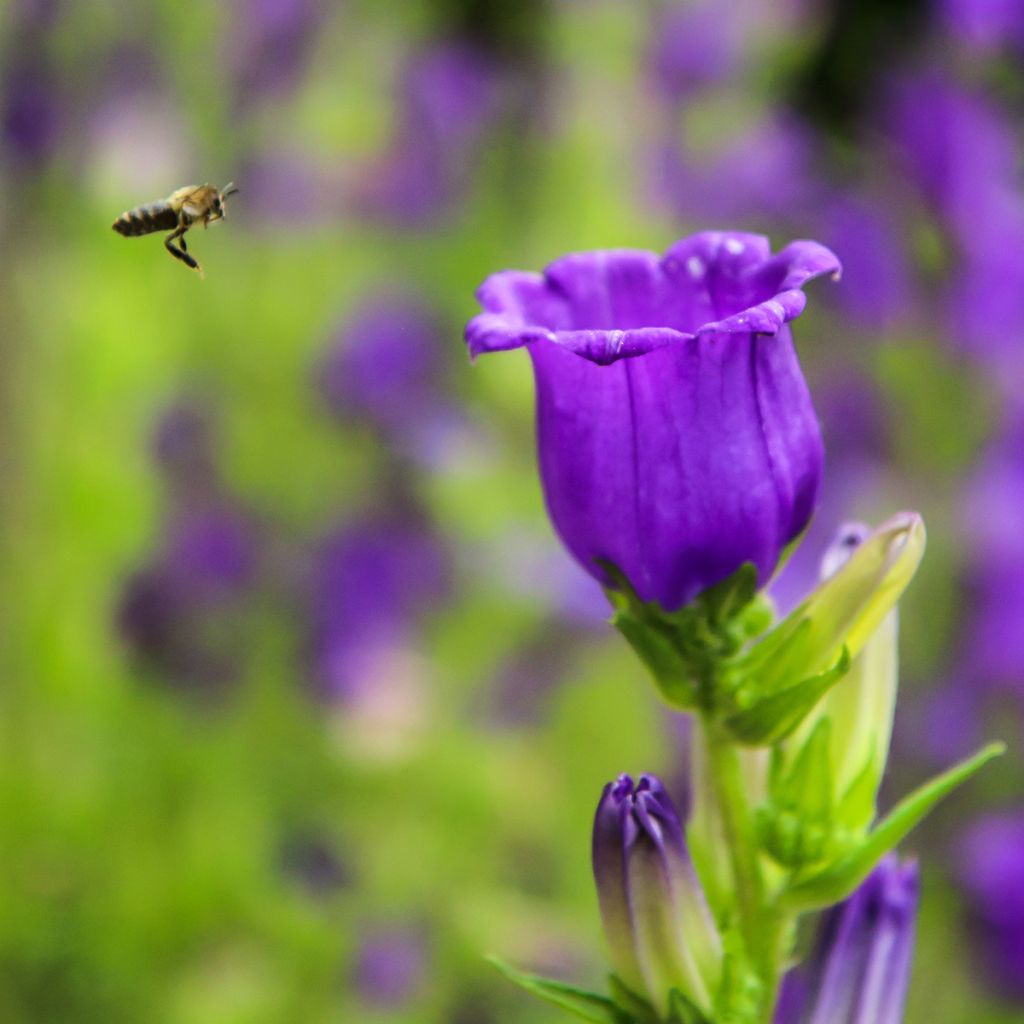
<point x="727" y="784"/>
<point x="765" y="931"/>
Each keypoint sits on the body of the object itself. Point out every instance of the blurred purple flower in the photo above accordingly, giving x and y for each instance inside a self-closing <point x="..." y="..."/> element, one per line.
<point x="877" y="288"/>
<point x="859" y="969"/>
<point x="693" y="45"/>
<point x="964" y="157"/>
<point x="984" y="24"/>
<point x="961" y="156"/>
<point x="269" y="43"/>
<point x="385" y="364"/>
<point x="993" y="649"/>
<point x="768" y="174"/>
<point x="372" y="583"/>
<point x="391" y="966"/>
<point x="447" y="98"/>
<point x="991" y="870"/>
<point x="676" y="436"/>
<point x="30" y="111"/>
<point x="181" y="613"/>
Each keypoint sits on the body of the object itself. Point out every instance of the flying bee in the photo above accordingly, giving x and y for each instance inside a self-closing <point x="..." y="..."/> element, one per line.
<point x="177" y="213"/>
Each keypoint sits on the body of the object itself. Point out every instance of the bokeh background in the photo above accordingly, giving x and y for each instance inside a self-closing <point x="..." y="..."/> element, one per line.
<point x="303" y="709"/>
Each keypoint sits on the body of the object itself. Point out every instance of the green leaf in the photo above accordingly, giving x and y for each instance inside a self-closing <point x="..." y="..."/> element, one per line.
<point x="588" y="1005"/>
<point x="682" y="1011"/>
<point x="729" y="597"/>
<point x="663" y="659"/>
<point x="795" y="827"/>
<point x="839" y="880"/>
<point x="774" y="717"/>
<point x="634" y="1007"/>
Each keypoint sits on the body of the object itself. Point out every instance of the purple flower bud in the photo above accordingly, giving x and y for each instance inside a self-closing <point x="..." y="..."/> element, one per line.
<point x="860" y="967"/>
<point x="659" y="929"/>
<point x="992" y="874"/>
<point x="676" y="433"/>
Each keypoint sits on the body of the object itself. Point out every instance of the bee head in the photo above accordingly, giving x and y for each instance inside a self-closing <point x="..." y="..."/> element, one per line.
<point x="219" y="206"/>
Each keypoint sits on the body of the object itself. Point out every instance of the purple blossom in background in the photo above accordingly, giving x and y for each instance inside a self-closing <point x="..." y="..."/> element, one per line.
<point x="372" y="582"/>
<point x="991" y="871"/>
<point x="859" y="969"/>
<point x="446" y="104"/>
<point x="269" y="45"/>
<point x="391" y="965"/>
<point x="964" y="157"/>
<point x="385" y="364"/>
<point x="877" y="290"/>
<point x="779" y="184"/>
<point x="984" y="24"/>
<point x="693" y="45"/>
<point x="993" y="650"/>
<point x="676" y="435"/>
<point x="182" y="613"/>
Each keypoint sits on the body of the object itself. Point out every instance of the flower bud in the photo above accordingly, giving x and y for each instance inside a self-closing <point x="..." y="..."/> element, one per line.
<point x="659" y="930"/>
<point x="863" y="581"/>
<point x="860" y="707"/>
<point x="859" y="971"/>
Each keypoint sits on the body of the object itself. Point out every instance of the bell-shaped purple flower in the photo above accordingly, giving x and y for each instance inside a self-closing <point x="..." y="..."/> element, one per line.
<point x="659" y="929"/>
<point x="860" y="967"/>
<point x="676" y="433"/>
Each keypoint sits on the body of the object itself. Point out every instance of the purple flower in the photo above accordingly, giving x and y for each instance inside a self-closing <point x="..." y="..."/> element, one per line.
<point x="778" y="183"/>
<point x="992" y="875"/>
<point x="182" y="614"/>
<point x="384" y="363"/>
<point x="372" y="582"/>
<point x="659" y="929"/>
<point x="391" y="965"/>
<point x="448" y="96"/>
<point x="676" y="433"/>
<point x="693" y="45"/>
<point x="994" y="647"/>
<point x="984" y="24"/>
<point x="877" y="288"/>
<point x="860" y="967"/>
<point x="270" y="45"/>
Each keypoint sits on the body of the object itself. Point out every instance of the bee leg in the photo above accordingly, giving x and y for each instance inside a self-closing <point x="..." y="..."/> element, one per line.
<point x="182" y="253"/>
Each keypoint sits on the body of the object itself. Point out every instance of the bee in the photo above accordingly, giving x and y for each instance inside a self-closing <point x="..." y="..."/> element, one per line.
<point x="177" y="213"/>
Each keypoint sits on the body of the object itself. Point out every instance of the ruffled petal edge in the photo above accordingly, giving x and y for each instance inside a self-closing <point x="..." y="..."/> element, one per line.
<point x="507" y="296"/>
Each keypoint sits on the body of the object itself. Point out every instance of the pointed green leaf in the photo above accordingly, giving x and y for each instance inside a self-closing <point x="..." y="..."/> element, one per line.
<point x="588" y="1005"/>
<point x="774" y="717"/>
<point x="682" y="1011"/>
<point x="839" y="880"/>
<point x="634" y="1007"/>
<point x="857" y="804"/>
<point x="726" y="599"/>
<point x="663" y="659"/>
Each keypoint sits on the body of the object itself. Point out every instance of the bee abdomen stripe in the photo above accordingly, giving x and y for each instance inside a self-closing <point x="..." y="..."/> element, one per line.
<point x="158" y="216"/>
